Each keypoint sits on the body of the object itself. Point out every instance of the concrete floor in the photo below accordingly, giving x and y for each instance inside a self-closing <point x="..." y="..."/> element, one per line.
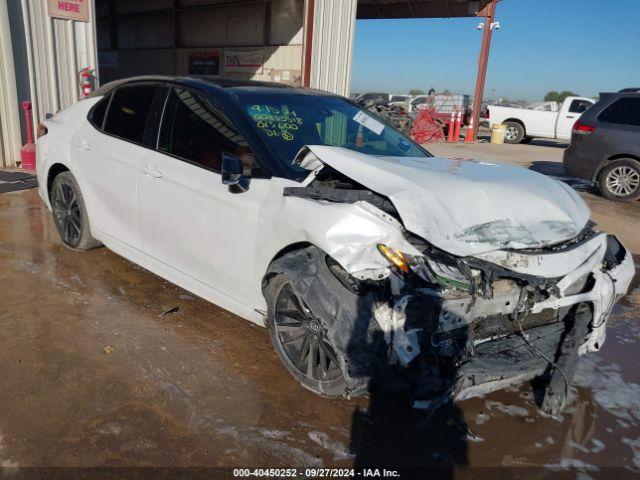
<point x="94" y="375"/>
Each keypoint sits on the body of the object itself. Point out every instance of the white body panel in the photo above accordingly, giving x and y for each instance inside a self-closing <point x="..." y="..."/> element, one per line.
<point x="109" y="169"/>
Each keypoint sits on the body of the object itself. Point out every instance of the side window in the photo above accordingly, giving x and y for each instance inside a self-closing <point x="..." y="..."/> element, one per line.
<point x="128" y="111"/>
<point x="196" y="130"/>
<point x="96" y="114"/>
<point x="579" y="106"/>
<point x="625" y="111"/>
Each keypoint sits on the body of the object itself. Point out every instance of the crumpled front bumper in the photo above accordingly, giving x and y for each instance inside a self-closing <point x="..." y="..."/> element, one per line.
<point x="496" y="351"/>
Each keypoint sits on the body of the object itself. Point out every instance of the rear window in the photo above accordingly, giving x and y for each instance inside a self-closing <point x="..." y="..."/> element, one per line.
<point x="96" y="115"/>
<point x="128" y="111"/>
<point x="579" y="106"/>
<point x="624" y="111"/>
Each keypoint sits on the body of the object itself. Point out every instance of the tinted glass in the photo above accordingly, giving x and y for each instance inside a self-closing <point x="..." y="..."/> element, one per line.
<point x="289" y="121"/>
<point x="625" y="111"/>
<point x="195" y="129"/>
<point x="579" y="106"/>
<point x="96" y="115"/>
<point x="128" y="111"/>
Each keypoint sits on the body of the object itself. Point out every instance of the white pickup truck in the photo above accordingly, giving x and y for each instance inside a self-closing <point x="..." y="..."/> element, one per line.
<point x="524" y="124"/>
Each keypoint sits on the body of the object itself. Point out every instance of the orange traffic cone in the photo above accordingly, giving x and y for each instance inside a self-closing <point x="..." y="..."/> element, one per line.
<point x="469" y="137"/>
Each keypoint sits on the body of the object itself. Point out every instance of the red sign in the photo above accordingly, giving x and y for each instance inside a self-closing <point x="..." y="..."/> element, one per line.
<point x="70" y="9"/>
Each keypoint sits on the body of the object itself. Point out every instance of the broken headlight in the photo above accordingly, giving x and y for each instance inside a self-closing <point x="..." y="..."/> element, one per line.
<point x="395" y="257"/>
<point x="443" y="274"/>
<point x="449" y="275"/>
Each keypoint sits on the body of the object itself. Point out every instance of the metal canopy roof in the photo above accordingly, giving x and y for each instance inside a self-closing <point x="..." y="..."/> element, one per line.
<point x="372" y="9"/>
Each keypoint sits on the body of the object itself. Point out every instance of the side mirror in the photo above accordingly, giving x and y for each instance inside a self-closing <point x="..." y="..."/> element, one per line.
<point x="232" y="173"/>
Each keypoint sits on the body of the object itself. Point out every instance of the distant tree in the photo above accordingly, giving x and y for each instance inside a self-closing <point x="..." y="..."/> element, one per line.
<point x="566" y="94"/>
<point x="551" y="96"/>
<point x="416" y="92"/>
<point x="554" y="96"/>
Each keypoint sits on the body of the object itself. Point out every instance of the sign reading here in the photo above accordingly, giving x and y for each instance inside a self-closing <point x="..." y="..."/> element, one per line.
<point x="70" y="9"/>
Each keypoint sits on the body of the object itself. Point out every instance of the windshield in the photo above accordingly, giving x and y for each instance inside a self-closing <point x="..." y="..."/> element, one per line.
<point x="289" y="121"/>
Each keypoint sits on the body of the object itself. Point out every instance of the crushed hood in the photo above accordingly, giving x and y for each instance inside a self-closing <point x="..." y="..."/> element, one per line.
<point x="467" y="207"/>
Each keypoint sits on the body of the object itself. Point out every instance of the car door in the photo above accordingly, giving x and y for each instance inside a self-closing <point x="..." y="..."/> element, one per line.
<point x="107" y="153"/>
<point x="190" y="221"/>
<point x="568" y="116"/>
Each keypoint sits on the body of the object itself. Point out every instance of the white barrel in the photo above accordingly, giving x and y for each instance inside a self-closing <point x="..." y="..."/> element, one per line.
<point x="497" y="133"/>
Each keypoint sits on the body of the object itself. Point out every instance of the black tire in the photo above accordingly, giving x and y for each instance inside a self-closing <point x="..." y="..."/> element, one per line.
<point x="620" y="180"/>
<point x="300" y="340"/>
<point x="70" y="213"/>
<point x="515" y="132"/>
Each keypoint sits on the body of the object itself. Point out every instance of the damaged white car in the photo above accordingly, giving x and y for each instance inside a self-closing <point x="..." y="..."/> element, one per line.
<point x="371" y="262"/>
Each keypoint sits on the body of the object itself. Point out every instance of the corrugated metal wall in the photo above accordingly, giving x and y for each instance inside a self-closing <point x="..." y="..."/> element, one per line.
<point x="334" y="26"/>
<point x="10" y="141"/>
<point x="57" y="49"/>
<point x="142" y="37"/>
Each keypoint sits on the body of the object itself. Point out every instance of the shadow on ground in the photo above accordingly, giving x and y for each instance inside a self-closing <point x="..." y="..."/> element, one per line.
<point x="540" y="142"/>
<point x="556" y="170"/>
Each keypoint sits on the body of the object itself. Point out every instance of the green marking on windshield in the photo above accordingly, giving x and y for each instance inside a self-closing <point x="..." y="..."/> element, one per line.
<point x="276" y="122"/>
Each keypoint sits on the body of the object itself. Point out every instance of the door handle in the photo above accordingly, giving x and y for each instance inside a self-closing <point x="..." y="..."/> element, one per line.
<point x="151" y="170"/>
<point x="83" y="145"/>
<point x="571" y="116"/>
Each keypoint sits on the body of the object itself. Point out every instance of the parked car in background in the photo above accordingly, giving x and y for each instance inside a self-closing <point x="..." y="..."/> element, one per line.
<point x="384" y="98"/>
<point x="524" y="124"/>
<point x="605" y="146"/>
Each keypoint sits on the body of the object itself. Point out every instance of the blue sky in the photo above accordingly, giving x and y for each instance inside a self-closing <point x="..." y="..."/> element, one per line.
<point x="586" y="46"/>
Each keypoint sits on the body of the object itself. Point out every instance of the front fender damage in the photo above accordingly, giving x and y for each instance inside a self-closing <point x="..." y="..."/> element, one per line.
<point x="442" y="344"/>
<point x="454" y="326"/>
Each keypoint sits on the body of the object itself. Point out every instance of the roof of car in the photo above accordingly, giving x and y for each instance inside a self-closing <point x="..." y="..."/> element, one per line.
<point x="204" y="80"/>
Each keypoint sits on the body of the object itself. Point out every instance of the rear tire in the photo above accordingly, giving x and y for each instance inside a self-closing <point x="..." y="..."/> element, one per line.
<point x="620" y="180"/>
<point x="301" y="341"/>
<point x="515" y="132"/>
<point x="70" y="213"/>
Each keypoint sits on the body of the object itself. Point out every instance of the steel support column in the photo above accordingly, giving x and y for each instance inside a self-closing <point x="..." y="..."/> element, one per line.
<point x="308" y="42"/>
<point x="489" y="14"/>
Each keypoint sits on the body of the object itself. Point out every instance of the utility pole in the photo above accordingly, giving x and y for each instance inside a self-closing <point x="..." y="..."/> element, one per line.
<point x="487" y="30"/>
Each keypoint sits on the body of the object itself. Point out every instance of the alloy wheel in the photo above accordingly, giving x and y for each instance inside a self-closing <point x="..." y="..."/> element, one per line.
<point x="66" y="210"/>
<point x="303" y="339"/>
<point x="623" y="181"/>
<point x="511" y="133"/>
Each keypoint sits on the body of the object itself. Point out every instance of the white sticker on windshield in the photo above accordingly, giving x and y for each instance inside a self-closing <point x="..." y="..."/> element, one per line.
<point x="369" y="122"/>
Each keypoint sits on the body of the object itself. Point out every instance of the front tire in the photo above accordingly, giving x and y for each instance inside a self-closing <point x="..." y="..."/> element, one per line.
<point x="70" y="213"/>
<point x="620" y="180"/>
<point x="301" y="341"/>
<point x="514" y="133"/>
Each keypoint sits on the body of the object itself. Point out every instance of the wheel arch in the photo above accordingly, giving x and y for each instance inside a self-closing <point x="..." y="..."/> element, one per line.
<point x="292" y="247"/>
<point x="54" y="170"/>
<point x="516" y="120"/>
<point x="609" y="159"/>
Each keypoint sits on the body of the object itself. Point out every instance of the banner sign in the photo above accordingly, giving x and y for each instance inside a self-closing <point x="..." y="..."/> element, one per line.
<point x="69" y="9"/>
<point x="207" y="63"/>
<point x="249" y="61"/>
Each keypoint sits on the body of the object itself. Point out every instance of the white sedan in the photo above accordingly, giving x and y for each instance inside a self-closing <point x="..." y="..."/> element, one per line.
<point x="372" y="263"/>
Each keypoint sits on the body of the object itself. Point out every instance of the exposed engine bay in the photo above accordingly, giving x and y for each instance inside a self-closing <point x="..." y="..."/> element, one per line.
<point x="450" y="326"/>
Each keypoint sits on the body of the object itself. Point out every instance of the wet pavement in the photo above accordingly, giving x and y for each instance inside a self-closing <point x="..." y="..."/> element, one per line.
<point x="105" y="364"/>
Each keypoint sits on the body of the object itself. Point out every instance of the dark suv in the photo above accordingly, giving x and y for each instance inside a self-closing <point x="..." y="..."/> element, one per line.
<point x="605" y="145"/>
